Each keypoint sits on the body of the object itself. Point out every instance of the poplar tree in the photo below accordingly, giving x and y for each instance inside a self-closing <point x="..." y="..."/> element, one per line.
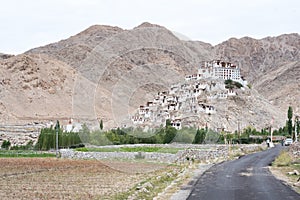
<point x="289" y="121"/>
<point x="101" y="124"/>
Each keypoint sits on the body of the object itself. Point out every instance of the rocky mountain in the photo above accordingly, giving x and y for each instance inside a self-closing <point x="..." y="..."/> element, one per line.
<point x="282" y="86"/>
<point x="271" y="65"/>
<point x="5" y="56"/>
<point x="35" y="87"/>
<point x="107" y="72"/>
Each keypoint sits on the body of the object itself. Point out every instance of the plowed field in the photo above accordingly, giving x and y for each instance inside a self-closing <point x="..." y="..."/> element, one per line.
<point x="50" y="178"/>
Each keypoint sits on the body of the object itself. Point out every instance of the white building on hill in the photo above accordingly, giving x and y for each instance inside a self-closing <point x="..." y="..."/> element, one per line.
<point x="220" y="69"/>
<point x="194" y="96"/>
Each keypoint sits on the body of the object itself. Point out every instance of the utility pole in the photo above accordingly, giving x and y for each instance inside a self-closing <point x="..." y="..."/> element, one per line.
<point x="239" y="131"/>
<point x="270" y="128"/>
<point x="56" y="137"/>
<point x="296" y="127"/>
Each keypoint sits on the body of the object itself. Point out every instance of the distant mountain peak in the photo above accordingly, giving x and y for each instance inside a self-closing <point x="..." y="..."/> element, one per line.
<point x="5" y="56"/>
<point x="100" y="28"/>
<point x="148" y="25"/>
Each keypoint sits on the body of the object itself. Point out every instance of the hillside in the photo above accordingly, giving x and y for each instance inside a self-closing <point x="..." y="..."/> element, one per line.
<point x="138" y="62"/>
<point x="269" y="58"/>
<point x="107" y="72"/>
<point x="282" y="86"/>
<point x="34" y="88"/>
<point x="4" y="56"/>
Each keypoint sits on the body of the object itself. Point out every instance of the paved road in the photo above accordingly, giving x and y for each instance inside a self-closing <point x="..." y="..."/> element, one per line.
<point x="244" y="178"/>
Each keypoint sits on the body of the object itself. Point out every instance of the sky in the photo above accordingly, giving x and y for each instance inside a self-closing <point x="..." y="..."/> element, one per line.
<point x="32" y="23"/>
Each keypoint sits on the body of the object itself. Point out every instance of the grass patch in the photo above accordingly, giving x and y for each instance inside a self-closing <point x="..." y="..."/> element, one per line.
<point x="151" y="186"/>
<point x="284" y="164"/>
<point x="132" y="149"/>
<point x="24" y="154"/>
<point x="283" y="160"/>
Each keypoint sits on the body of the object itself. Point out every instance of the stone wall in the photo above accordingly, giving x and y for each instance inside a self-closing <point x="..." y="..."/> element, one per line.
<point x="201" y="153"/>
<point x="294" y="150"/>
<point x="161" y="157"/>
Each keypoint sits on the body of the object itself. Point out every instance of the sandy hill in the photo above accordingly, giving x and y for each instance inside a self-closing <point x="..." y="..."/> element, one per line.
<point x="106" y="72"/>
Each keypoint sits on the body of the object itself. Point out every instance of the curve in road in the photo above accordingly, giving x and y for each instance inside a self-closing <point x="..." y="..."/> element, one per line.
<point x="244" y="178"/>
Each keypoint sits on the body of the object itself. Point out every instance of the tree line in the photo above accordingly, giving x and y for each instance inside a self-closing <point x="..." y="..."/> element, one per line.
<point x="47" y="139"/>
<point x="162" y="135"/>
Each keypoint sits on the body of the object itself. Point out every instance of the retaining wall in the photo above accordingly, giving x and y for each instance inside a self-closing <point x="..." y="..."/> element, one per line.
<point x="200" y="153"/>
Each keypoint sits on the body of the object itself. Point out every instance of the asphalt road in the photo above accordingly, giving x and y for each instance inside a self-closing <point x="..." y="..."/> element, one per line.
<point x="245" y="178"/>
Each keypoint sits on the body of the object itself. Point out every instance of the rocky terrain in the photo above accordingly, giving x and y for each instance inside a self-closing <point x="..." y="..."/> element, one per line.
<point x="35" y="87"/>
<point x="271" y="65"/>
<point x="107" y="73"/>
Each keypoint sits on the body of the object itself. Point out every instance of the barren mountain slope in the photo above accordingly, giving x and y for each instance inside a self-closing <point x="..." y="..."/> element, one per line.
<point x="35" y="87"/>
<point x="77" y="48"/>
<point x="282" y="86"/>
<point x="4" y="56"/>
<point x="124" y="69"/>
<point x="271" y="65"/>
<point x="107" y="72"/>
<point x="259" y="57"/>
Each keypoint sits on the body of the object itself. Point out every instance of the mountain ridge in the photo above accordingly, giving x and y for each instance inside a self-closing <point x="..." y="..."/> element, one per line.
<point x="102" y="58"/>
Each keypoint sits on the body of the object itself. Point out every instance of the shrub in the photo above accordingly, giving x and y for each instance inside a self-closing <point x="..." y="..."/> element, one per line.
<point x="139" y="155"/>
<point x="5" y="144"/>
<point x="284" y="159"/>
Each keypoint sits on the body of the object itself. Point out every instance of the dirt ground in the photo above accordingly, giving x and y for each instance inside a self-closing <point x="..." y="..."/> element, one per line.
<point x="51" y="178"/>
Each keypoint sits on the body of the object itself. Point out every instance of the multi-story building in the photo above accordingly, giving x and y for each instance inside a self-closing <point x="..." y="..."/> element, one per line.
<point x="220" y="69"/>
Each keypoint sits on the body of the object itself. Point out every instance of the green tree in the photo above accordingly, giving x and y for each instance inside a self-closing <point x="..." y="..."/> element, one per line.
<point x="168" y="123"/>
<point x="170" y="134"/>
<point x="289" y="121"/>
<point x="229" y="84"/>
<point x="200" y="136"/>
<point x="101" y="124"/>
<point x="47" y="139"/>
<point x="5" y="144"/>
<point x="297" y="124"/>
<point x="237" y="84"/>
<point x="85" y="133"/>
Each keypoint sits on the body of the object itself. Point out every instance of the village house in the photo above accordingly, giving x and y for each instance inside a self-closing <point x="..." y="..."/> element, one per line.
<point x="176" y="123"/>
<point x="193" y="95"/>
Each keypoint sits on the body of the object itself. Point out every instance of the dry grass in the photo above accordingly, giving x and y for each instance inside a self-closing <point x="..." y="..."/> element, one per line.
<point x="49" y="178"/>
<point x="284" y="159"/>
<point x="284" y="164"/>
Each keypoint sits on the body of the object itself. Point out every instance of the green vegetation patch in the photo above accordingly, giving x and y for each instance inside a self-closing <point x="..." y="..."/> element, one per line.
<point x="24" y="154"/>
<point x="287" y="165"/>
<point x="132" y="149"/>
<point x="284" y="159"/>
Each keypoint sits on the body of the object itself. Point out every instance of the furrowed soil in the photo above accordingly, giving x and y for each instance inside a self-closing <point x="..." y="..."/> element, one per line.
<point x="51" y="178"/>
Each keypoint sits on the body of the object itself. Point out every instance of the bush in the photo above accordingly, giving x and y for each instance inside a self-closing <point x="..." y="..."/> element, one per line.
<point x="230" y="84"/>
<point x="284" y="159"/>
<point x="82" y="149"/>
<point x="28" y="146"/>
<point x="5" y="144"/>
<point x="238" y="85"/>
<point x="77" y="146"/>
